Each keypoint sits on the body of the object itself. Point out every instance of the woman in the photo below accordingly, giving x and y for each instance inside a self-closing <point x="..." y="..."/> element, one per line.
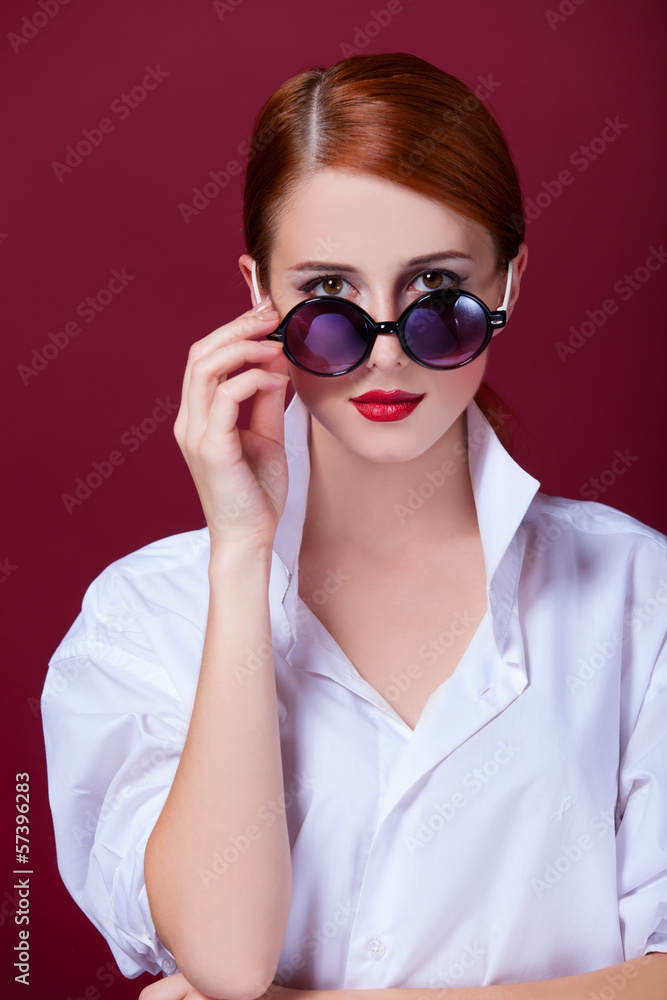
<point x="393" y="719"/>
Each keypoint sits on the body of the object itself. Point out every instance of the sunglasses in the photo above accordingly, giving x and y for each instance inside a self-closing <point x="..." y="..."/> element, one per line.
<point x="443" y="329"/>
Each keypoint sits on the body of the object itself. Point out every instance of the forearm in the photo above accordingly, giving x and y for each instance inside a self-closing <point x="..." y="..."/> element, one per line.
<point x="639" y="979"/>
<point x="221" y="905"/>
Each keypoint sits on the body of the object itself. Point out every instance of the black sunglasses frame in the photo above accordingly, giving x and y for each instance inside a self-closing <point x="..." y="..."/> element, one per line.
<point x="494" y="321"/>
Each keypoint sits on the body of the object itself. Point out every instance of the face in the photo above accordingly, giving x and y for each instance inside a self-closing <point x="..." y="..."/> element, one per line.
<point x="361" y="236"/>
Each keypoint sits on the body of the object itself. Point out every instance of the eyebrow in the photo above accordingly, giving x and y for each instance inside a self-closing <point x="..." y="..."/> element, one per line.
<point x="319" y="265"/>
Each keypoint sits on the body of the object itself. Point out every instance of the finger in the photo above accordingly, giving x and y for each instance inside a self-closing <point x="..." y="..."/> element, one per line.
<point x="245" y="328"/>
<point x="224" y="412"/>
<point x="267" y="417"/>
<point x="209" y="371"/>
<point x="248" y="326"/>
<point x="174" y="987"/>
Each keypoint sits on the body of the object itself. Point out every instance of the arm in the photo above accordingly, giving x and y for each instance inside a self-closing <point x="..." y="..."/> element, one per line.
<point x="642" y="978"/>
<point x="211" y="903"/>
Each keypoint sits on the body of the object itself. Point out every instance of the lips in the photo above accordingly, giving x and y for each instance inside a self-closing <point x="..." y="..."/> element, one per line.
<point x="386" y="406"/>
<point x="380" y="396"/>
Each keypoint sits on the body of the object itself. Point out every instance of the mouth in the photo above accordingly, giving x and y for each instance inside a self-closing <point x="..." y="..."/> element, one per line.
<point x="381" y="406"/>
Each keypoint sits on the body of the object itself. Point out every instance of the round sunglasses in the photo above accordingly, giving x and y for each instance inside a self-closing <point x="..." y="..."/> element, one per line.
<point x="443" y="329"/>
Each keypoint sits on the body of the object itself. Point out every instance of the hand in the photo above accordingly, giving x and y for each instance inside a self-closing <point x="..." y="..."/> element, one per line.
<point x="177" y="987"/>
<point x="240" y="475"/>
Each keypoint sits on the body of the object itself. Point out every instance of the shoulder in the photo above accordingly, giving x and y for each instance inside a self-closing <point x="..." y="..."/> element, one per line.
<point x="143" y="604"/>
<point x="597" y="555"/>
<point x="589" y="525"/>
<point x="162" y="572"/>
<point x="172" y="553"/>
<point x="601" y="576"/>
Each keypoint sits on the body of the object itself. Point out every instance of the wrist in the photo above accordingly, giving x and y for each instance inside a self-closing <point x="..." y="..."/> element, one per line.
<point x="239" y="561"/>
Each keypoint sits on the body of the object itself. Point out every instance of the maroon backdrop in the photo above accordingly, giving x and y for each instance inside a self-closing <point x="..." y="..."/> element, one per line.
<point x="579" y="90"/>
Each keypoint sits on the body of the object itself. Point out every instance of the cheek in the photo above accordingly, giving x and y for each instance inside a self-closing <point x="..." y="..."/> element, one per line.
<point x="458" y="387"/>
<point x="316" y="392"/>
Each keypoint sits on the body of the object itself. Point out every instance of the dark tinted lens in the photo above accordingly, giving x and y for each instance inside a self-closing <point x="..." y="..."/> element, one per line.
<point x="446" y="329"/>
<point x="326" y="337"/>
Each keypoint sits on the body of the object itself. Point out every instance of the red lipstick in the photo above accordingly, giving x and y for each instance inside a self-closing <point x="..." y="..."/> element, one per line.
<point x="379" y="405"/>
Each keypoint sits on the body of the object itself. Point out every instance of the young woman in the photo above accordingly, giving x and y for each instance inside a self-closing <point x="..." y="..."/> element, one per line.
<point x="395" y="719"/>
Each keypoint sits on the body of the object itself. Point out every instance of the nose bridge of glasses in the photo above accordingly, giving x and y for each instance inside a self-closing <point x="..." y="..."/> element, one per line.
<point x="391" y="326"/>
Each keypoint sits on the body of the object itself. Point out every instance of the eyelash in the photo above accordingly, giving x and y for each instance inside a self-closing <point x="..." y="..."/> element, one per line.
<point x="313" y="282"/>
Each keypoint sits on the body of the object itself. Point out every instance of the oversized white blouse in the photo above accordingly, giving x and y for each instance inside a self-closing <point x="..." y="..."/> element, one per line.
<point x="518" y="833"/>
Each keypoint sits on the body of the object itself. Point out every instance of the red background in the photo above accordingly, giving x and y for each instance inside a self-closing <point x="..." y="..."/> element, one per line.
<point x="119" y="208"/>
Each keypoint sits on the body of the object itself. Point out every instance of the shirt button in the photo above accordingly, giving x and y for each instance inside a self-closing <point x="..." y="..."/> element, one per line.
<point x="169" y="966"/>
<point x="375" y="948"/>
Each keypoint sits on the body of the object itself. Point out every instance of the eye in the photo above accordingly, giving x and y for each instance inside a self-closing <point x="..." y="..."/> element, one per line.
<point x="433" y="280"/>
<point x="331" y="283"/>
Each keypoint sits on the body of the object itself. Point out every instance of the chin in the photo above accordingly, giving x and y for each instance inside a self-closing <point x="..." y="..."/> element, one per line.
<point x="384" y="442"/>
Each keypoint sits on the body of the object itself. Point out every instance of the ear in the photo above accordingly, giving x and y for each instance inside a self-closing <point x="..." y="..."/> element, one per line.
<point x="245" y="265"/>
<point x="518" y="267"/>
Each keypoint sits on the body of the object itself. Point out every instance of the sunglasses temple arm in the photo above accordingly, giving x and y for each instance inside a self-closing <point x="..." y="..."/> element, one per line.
<point x="255" y="286"/>
<point x="508" y="290"/>
<point x="499" y="317"/>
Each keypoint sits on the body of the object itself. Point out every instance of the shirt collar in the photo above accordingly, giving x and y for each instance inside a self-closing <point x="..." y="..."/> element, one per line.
<point x="502" y="490"/>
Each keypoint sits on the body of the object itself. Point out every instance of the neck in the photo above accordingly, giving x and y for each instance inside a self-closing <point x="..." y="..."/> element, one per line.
<point x="382" y="508"/>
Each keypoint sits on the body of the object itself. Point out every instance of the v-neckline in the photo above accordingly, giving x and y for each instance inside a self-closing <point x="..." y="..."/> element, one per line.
<point x="321" y="635"/>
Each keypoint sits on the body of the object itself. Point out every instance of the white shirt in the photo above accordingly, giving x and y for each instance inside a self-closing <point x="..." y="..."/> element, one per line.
<point x="518" y="833"/>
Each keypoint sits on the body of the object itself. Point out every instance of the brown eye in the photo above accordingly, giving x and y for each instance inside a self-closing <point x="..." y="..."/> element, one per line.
<point x="432" y="279"/>
<point x="332" y="286"/>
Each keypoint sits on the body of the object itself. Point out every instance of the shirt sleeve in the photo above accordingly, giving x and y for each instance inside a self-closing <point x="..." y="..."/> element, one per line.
<point x="641" y="838"/>
<point x="114" y="728"/>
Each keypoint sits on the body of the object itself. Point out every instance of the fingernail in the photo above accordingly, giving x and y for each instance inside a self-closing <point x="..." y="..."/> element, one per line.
<point x="262" y="306"/>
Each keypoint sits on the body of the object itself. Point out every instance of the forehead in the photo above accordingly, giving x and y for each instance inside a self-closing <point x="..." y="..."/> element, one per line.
<point x="339" y="214"/>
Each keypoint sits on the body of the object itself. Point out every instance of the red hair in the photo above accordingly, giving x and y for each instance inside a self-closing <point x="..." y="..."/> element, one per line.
<point x="398" y="117"/>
